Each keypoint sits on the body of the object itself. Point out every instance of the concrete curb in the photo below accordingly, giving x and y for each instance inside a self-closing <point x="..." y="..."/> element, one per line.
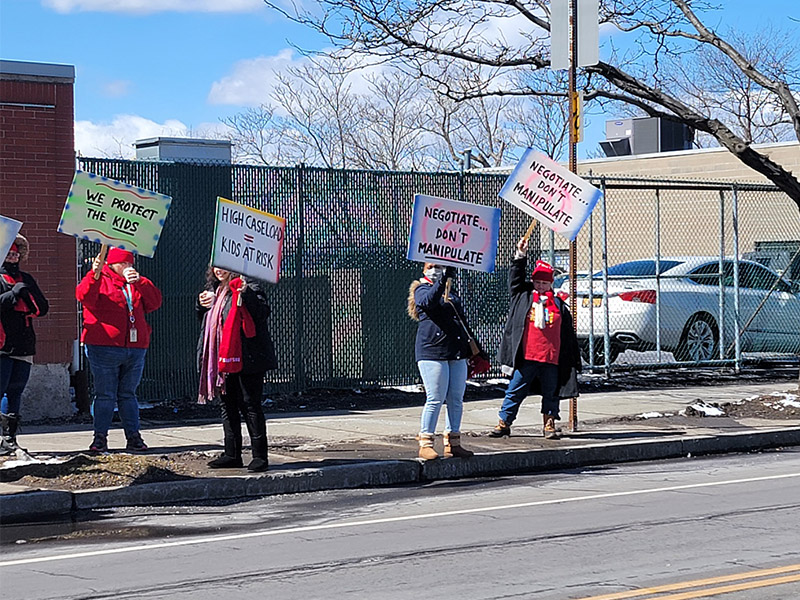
<point x="32" y="505"/>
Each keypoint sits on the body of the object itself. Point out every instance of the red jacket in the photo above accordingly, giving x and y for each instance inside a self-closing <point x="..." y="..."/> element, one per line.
<point x="106" y="321"/>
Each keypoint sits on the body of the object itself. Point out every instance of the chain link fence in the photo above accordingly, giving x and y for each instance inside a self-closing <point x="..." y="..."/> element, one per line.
<point x="339" y="310"/>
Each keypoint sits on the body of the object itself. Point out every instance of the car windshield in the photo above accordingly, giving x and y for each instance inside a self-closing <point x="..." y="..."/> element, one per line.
<point x="638" y="268"/>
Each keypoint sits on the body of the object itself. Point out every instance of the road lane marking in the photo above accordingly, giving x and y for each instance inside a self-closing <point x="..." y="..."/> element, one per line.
<point x="671" y="587"/>
<point x="384" y="520"/>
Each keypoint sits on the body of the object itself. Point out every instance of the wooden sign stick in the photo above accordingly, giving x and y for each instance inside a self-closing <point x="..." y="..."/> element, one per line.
<point x="531" y="229"/>
<point x="101" y="259"/>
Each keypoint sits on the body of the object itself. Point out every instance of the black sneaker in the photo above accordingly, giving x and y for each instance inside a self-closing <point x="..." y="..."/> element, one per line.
<point x="99" y="445"/>
<point x="136" y="444"/>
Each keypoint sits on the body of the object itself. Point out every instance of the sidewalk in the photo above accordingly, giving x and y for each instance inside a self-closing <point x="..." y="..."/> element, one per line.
<point x="349" y="449"/>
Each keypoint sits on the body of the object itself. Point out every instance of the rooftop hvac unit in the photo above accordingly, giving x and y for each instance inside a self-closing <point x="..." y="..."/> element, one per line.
<point x="645" y="135"/>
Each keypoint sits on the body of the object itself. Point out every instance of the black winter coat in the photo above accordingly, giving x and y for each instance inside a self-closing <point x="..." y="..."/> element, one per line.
<point x="20" y="337"/>
<point x="440" y="335"/>
<point x="258" y="352"/>
<point x="510" y="353"/>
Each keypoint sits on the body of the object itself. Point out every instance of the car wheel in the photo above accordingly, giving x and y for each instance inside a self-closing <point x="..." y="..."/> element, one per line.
<point x="599" y="352"/>
<point x="699" y="339"/>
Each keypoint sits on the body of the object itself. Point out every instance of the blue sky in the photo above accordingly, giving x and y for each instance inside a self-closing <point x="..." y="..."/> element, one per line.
<point x="172" y="67"/>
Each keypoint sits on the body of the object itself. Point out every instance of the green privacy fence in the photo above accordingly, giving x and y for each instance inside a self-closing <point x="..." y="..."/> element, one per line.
<point x="339" y="311"/>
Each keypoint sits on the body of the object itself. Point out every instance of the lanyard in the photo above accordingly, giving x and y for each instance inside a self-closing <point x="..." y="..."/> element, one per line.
<point x="126" y="291"/>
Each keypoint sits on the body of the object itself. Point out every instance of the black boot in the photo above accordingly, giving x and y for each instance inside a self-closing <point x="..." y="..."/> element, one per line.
<point x="260" y="462"/>
<point x="8" y="443"/>
<point x="232" y="435"/>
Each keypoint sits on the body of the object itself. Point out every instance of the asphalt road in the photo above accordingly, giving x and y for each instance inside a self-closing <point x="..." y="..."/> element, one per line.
<point x="690" y="528"/>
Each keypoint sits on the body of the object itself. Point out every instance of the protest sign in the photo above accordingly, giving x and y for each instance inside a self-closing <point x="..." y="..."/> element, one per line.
<point x="9" y="228"/>
<point x="448" y="232"/>
<point x="550" y="193"/>
<point x="247" y="241"/>
<point x="114" y="213"/>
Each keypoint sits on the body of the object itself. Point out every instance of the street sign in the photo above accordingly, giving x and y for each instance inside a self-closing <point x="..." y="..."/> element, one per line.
<point x="588" y="33"/>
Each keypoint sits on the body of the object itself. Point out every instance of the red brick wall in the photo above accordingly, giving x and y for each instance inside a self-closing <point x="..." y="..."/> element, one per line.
<point x="37" y="162"/>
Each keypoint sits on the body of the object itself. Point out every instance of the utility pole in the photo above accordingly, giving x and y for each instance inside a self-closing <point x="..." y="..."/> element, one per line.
<point x="573" y="166"/>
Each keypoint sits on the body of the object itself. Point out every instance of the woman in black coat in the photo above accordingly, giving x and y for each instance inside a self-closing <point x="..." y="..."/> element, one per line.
<point x="235" y="351"/>
<point x="539" y="349"/>
<point x="20" y="301"/>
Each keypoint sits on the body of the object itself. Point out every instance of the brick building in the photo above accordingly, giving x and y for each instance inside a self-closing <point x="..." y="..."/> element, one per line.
<point x="37" y="163"/>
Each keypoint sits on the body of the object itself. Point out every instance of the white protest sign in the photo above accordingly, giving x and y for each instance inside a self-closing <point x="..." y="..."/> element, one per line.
<point x="114" y="213"/>
<point x="9" y="228"/>
<point x="247" y="241"/>
<point x="550" y="193"/>
<point x="448" y="232"/>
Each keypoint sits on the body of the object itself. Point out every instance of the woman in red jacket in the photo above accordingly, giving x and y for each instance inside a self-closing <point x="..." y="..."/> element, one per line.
<point x="116" y="337"/>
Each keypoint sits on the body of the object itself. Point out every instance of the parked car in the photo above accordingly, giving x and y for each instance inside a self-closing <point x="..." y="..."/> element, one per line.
<point x="691" y="309"/>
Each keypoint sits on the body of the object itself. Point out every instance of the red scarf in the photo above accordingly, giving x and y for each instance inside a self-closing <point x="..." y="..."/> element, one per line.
<point x="238" y="322"/>
<point x="21" y="305"/>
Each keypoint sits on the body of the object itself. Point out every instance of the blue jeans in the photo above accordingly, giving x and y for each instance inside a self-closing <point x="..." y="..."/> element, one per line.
<point x="517" y="389"/>
<point x="445" y="382"/>
<point x="116" y="372"/>
<point x="14" y="376"/>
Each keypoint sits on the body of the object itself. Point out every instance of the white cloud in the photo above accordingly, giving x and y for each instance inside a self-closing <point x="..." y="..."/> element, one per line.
<point x="116" y="89"/>
<point x="116" y="139"/>
<point x="153" y="6"/>
<point x="252" y="80"/>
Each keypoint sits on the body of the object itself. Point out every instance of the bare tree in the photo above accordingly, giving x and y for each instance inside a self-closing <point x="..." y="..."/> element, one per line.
<point x="389" y="133"/>
<point x="507" y="34"/>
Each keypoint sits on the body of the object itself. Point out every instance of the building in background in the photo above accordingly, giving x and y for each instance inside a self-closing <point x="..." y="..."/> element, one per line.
<point x="37" y="164"/>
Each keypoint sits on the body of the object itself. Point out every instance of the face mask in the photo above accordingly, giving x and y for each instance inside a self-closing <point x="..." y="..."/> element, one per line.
<point x="434" y="273"/>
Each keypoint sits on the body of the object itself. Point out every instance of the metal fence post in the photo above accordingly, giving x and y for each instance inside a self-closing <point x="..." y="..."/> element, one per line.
<point x="658" y="275"/>
<point x="607" y="321"/>
<point x="721" y="274"/>
<point x="736" y="308"/>
<point x="299" y="368"/>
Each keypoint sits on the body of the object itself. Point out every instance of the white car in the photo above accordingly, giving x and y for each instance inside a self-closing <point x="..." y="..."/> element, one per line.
<point x="693" y="299"/>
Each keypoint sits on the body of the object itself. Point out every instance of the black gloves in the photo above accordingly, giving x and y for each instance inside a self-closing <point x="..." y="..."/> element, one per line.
<point x="450" y="273"/>
<point x="20" y="289"/>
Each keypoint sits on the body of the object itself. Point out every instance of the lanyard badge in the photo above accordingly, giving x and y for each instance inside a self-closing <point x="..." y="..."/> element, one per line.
<point x="133" y="335"/>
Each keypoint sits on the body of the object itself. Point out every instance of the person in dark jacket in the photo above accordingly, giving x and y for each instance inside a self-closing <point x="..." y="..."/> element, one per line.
<point x="20" y="301"/>
<point x="538" y="347"/>
<point x="235" y="351"/>
<point x="441" y="349"/>
<point x="115" y="299"/>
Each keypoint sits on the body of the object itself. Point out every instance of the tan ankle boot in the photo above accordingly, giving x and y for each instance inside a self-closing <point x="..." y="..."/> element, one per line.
<point x="426" y="450"/>
<point x="550" y="431"/>
<point x="452" y="446"/>
<point x="500" y="430"/>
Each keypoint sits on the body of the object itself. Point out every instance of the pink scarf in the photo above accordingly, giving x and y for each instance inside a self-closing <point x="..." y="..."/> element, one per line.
<point x="212" y="382"/>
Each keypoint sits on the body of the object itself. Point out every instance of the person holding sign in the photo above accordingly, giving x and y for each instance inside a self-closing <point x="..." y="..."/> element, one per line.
<point x="539" y="348"/>
<point x="20" y="301"/>
<point x="442" y="349"/>
<point x="234" y="352"/>
<point x="116" y="336"/>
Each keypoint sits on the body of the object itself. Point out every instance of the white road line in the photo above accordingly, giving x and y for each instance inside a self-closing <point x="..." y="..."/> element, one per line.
<point x="448" y="513"/>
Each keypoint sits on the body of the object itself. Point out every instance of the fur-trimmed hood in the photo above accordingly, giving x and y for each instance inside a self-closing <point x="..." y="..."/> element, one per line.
<point x="23" y="245"/>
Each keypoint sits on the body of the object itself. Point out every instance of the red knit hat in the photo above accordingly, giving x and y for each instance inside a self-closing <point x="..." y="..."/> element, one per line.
<point x="542" y="271"/>
<point x="117" y="255"/>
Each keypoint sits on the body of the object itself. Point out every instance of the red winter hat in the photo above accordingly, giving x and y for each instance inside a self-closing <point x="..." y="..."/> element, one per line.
<point x="542" y="271"/>
<point x="117" y="255"/>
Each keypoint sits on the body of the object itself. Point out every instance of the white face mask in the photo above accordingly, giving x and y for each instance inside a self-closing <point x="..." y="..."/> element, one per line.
<point x="434" y="273"/>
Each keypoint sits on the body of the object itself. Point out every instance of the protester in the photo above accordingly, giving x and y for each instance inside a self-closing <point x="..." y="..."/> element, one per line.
<point x="116" y="336"/>
<point x="235" y="351"/>
<point x="20" y="301"/>
<point x="539" y="346"/>
<point x="442" y="349"/>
